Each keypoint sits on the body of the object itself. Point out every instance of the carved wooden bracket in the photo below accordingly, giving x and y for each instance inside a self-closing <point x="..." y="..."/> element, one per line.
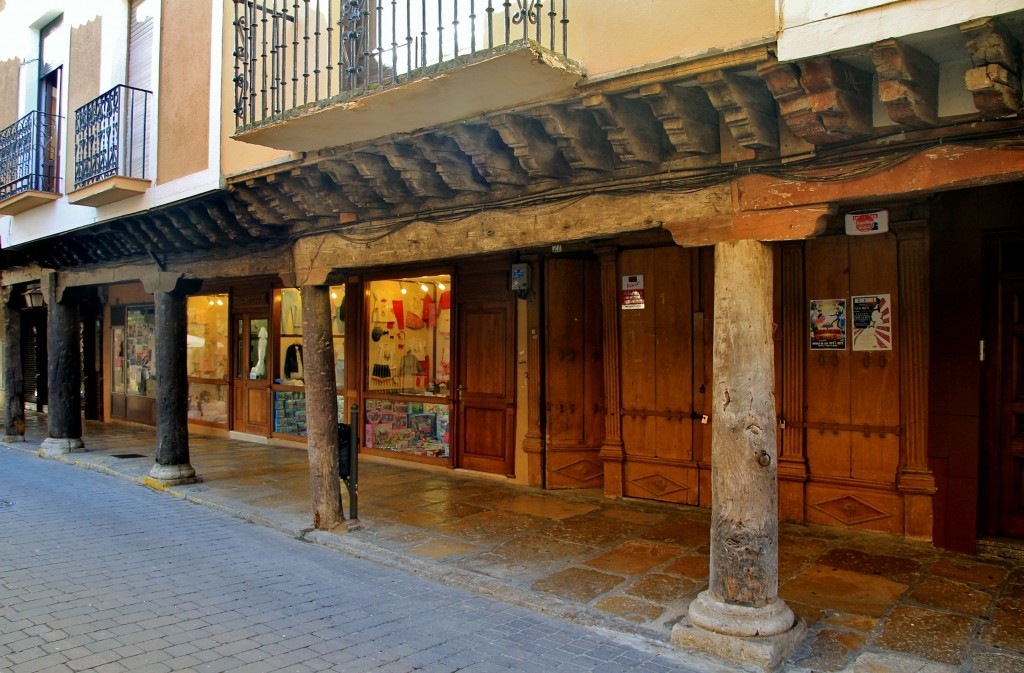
<point x="538" y="156"/>
<point x="686" y="113"/>
<point x="491" y="157"/>
<point x="995" y="79"/>
<point x="630" y="126"/>
<point x="747" y="107"/>
<point x="822" y="100"/>
<point x="581" y="141"/>
<point x="451" y="163"/>
<point x="419" y="174"/>
<point x="908" y="83"/>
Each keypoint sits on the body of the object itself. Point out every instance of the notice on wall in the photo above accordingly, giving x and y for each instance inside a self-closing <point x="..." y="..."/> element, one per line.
<point x="872" y="323"/>
<point x="828" y="324"/>
<point x="632" y="292"/>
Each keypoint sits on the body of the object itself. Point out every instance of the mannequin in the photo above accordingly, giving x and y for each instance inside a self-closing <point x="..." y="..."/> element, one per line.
<point x="260" y="370"/>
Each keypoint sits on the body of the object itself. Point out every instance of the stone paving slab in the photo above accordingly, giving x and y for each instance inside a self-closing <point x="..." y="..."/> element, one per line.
<point x="870" y="601"/>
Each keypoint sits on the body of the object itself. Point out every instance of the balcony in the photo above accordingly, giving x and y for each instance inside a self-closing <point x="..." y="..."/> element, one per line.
<point x="111" y="140"/>
<point x="29" y="163"/>
<point x="312" y="74"/>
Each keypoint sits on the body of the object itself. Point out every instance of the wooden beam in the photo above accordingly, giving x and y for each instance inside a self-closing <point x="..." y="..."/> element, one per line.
<point x="453" y="165"/>
<point x="747" y="106"/>
<point x="256" y="206"/>
<point x="908" y="83"/>
<point x="420" y="175"/>
<point x="630" y="126"/>
<point x="995" y="79"/>
<point x="822" y="100"/>
<point x="287" y="208"/>
<point x="376" y="170"/>
<point x="686" y="114"/>
<point x="784" y="224"/>
<point x="931" y="170"/>
<point x="347" y="179"/>
<point x="323" y="188"/>
<point x="537" y="153"/>
<point x="582" y="142"/>
<point x="492" y="158"/>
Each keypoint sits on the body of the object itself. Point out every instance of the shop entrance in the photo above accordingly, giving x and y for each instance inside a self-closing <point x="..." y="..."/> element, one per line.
<point x="665" y="357"/>
<point x="251" y="383"/>
<point x="485" y="392"/>
<point x="1004" y="478"/>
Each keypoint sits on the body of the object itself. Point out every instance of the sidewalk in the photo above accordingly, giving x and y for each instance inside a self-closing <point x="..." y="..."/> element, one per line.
<point x="872" y="603"/>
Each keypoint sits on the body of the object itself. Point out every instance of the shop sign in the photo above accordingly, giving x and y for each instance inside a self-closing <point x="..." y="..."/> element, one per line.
<point x="872" y="323"/>
<point x="866" y="222"/>
<point x="632" y="292"/>
<point x="828" y="324"/>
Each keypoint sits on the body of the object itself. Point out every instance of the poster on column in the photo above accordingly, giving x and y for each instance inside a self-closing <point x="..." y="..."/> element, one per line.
<point x="872" y="323"/>
<point x="828" y="324"/>
<point x="633" y="292"/>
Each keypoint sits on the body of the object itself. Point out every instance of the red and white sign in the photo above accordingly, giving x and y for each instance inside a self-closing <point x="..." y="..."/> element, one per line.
<point x="632" y="292"/>
<point x="865" y="222"/>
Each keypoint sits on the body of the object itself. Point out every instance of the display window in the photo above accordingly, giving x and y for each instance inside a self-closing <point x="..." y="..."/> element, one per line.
<point x="289" y="376"/>
<point x="207" y="359"/>
<point x="139" y="349"/>
<point x="408" y="331"/>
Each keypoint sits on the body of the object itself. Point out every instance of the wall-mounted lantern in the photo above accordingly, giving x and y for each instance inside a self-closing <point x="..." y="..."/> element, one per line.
<point x="33" y="296"/>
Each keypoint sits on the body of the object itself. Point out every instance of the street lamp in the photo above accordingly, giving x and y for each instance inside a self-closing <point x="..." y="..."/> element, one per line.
<point x="33" y="296"/>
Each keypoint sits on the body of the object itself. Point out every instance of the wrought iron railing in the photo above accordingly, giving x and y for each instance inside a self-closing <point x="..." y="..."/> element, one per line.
<point x="290" y="53"/>
<point x="111" y="136"/>
<point x="30" y="155"/>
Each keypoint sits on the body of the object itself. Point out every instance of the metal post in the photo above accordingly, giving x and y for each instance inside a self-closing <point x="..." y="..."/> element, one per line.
<point x="352" y="483"/>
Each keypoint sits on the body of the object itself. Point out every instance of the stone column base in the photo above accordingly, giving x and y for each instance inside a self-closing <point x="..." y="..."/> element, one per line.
<point x="713" y="627"/>
<point x="14" y="438"/>
<point x="171" y="475"/>
<point x="53" y="447"/>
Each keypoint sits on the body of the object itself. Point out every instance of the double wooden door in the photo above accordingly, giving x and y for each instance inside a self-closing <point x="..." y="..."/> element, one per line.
<point x="665" y="364"/>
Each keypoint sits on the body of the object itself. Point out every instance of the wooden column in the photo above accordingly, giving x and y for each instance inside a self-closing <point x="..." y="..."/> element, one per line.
<point x="321" y="406"/>
<point x="740" y="616"/>
<point x="172" y="464"/>
<point x="915" y="480"/>
<point x="792" y="453"/>
<point x="533" y="442"/>
<point x="63" y="374"/>
<point x="14" y="429"/>
<point x="612" y="448"/>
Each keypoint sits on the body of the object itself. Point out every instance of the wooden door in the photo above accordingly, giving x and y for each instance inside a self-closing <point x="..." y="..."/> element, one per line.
<point x="251" y="386"/>
<point x="573" y="373"/>
<point x="485" y="388"/>
<point x="665" y="376"/>
<point x="1005" y="475"/>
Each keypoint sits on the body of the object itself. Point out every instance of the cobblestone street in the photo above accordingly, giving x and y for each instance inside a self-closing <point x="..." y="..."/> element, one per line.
<point x="100" y="575"/>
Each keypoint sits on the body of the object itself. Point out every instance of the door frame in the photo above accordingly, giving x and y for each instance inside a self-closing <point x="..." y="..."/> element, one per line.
<point x="241" y="383"/>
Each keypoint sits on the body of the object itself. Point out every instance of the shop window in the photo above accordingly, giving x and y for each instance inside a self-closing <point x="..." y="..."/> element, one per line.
<point x="289" y="379"/>
<point x="117" y="360"/>
<point x="139" y="349"/>
<point x="409" y="356"/>
<point x="207" y="359"/>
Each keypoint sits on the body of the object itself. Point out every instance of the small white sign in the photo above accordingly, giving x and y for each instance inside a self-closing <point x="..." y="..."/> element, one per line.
<point x="866" y="222"/>
<point x="632" y="292"/>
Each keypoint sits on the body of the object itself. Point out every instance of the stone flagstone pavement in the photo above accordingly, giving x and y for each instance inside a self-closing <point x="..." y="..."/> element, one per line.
<point x="873" y="603"/>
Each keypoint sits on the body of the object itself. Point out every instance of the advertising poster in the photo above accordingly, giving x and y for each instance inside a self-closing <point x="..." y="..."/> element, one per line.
<point x="872" y="323"/>
<point x="632" y="292"/>
<point x="828" y="324"/>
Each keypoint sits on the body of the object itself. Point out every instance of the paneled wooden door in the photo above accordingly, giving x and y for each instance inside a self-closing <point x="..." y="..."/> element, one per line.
<point x="485" y="388"/>
<point x="665" y="356"/>
<point x="251" y="387"/>
<point x="1007" y="412"/>
<point x="573" y="373"/>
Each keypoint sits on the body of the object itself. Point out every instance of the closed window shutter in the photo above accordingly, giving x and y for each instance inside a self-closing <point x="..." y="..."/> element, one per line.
<point x="140" y="76"/>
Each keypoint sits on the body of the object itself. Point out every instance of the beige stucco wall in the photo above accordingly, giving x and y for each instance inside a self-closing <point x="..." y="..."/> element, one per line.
<point x="83" y="82"/>
<point x="9" y="73"/>
<point x="184" y="106"/>
<point x="609" y="35"/>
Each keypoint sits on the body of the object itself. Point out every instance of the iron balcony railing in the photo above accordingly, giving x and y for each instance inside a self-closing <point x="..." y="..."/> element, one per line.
<point x="111" y="136"/>
<point x="289" y="53"/>
<point x="30" y="155"/>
